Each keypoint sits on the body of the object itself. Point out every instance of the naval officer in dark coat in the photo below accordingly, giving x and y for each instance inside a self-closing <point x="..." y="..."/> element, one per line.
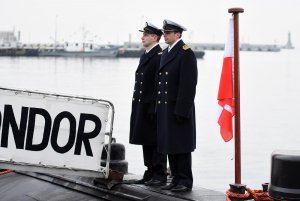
<point x="176" y="90"/>
<point x="143" y="128"/>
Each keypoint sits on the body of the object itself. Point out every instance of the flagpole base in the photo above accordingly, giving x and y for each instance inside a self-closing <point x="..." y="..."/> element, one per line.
<point x="238" y="189"/>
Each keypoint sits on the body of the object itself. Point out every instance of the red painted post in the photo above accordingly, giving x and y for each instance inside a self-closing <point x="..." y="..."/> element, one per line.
<point x="237" y="121"/>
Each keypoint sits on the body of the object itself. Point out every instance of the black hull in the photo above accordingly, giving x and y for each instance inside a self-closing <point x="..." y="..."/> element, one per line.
<point x="34" y="186"/>
<point x="19" y="52"/>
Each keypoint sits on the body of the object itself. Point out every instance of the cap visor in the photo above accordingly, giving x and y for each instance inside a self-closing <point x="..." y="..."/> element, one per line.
<point x="170" y="30"/>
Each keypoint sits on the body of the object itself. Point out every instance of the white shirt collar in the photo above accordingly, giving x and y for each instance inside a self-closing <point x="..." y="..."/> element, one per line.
<point x="151" y="48"/>
<point x="170" y="47"/>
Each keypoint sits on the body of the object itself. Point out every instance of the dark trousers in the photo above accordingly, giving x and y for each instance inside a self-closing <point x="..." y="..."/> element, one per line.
<point x="155" y="162"/>
<point x="181" y="169"/>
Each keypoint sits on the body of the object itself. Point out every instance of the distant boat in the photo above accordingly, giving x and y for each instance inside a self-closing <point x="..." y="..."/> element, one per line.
<point x="81" y="50"/>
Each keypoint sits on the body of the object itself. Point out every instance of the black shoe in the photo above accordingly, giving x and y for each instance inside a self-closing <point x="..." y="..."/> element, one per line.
<point x="140" y="181"/>
<point x="180" y="188"/>
<point x="155" y="182"/>
<point x="168" y="187"/>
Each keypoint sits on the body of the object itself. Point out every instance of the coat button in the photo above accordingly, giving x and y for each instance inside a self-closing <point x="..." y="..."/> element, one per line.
<point x="132" y="99"/>
<point x="141" y="82"/>
<point x="166" y="82"/>
<point x="142" y="73"/>
<point x="165" y="102"/>
<point x="141" y="92"/>
<point x="139" y="100"/>
<point x="158" y="92"/>
<point x="159" y="82"/>
<point x="166" y="92"/>
<point x="166" y="73"/>
<point x="159" y="73"/>
<point x="158" y="102"/>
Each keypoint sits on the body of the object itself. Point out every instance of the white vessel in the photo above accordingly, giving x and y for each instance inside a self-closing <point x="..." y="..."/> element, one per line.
<point x="81" y="50"/>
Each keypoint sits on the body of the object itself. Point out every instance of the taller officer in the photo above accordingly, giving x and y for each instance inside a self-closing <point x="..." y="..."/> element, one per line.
<point x="176" y="90"/>
<point x="143" y="128"/>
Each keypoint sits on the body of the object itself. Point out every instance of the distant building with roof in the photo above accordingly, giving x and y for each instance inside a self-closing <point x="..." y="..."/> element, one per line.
<point x="7" y="37"/>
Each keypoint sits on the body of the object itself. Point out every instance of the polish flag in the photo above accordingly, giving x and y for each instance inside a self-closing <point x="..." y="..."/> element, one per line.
<point x="226" y="95"/>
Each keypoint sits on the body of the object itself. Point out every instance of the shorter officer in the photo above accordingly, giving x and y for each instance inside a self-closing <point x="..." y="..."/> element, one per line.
<point x="143" y="129"/>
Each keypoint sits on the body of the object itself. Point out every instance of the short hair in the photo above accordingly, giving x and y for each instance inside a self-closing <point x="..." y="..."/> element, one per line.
<point x="179" y="32"/>
<point x="158" y="38"/>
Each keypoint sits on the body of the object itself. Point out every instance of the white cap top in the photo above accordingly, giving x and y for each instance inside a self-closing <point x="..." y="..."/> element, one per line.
<point x="168" y="24"/>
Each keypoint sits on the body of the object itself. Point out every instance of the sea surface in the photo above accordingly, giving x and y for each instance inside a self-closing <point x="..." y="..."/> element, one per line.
<point x="270" y="106"/>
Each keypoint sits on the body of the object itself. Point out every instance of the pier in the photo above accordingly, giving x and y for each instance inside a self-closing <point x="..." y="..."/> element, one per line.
<point x="125" y="50"/>
<point x="11" y="46"/>
<point x="196" y="47"/>
<point x="243" y="47"/>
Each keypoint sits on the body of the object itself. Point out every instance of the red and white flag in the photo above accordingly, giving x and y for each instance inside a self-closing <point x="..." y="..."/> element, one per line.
<point x="226" y="95"/>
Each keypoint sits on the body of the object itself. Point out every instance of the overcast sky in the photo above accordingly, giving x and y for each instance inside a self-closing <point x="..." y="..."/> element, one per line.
<point x="113" y="21"/>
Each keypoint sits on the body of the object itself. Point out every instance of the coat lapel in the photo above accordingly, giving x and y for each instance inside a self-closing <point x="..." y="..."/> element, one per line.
<point x="167" y="57"/>
<point x="145" y="57"/>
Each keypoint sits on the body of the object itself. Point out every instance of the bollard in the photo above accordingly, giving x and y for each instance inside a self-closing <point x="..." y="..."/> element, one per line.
<point x="285" y="175"/>
<point x="238" y="189"/>
<point x="117" y="158"/>
<point x="265" y="187"/>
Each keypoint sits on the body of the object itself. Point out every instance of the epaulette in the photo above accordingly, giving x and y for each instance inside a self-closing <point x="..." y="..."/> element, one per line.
<point x="186" y="47"/>
<point x="159" y="53"/>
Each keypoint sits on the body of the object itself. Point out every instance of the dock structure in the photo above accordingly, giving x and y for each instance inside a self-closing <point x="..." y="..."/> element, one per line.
<point x="34" y="186"/>
<point x="207" y="46"/>
<point x="243" y="47"/>
<point x="10" y="45"/>
<point x="259" y="47"/>
<point x="131" y="49"/>
<point x="197" y="47"/>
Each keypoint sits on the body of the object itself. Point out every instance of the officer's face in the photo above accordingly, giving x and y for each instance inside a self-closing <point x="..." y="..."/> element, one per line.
<point x="171" y="37"/>
<point x="148" y="39"/>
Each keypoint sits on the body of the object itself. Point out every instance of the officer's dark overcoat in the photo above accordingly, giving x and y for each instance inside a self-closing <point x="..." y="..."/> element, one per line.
<point x="176" y="90"/>
<point x="142" y="126"/>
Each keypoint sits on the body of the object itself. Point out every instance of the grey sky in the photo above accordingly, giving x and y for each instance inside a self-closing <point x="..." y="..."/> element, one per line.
<point x="264" y="21"/>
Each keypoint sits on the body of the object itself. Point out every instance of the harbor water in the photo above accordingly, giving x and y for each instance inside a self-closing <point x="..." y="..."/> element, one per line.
<point x="270" y="106"/>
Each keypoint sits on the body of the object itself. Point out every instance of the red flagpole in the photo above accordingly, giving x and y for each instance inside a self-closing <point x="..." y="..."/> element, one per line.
<point x="237" y="120"/>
